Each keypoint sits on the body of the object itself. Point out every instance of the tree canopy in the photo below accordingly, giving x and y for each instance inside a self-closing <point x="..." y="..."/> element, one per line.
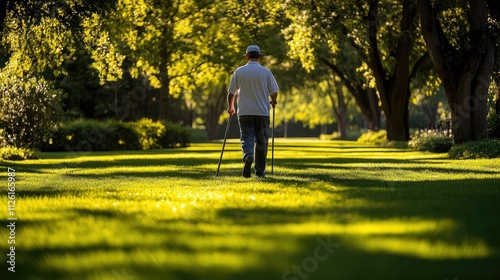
<point x="333" y="60"/>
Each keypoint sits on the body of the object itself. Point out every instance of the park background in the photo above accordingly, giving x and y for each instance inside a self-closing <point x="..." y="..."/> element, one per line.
<point x="112" y="111"/>
<point x="344" y="68"/>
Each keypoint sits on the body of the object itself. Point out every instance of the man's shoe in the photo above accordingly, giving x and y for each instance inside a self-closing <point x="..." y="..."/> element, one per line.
<point x="247" y="169"/>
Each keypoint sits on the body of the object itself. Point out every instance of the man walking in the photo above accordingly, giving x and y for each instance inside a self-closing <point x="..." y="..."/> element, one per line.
<point x="253" y="84"/>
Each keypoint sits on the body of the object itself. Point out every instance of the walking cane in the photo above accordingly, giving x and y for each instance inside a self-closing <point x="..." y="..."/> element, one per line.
<point x="224" y="144"/>
<point x="272" y="148"/>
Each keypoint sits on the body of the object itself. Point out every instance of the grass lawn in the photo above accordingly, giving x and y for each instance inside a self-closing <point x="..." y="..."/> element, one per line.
<point x="331" y="210"/>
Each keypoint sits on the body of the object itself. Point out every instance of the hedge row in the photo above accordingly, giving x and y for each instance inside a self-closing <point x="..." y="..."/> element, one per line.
<point x="13" y="153"/>
<point x="476" y="149"/>
<point x="93" y="135"/>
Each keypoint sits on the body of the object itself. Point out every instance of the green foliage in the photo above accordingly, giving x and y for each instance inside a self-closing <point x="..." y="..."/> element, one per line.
<point x="373" y="137"/>
<point x="333" y="136"/>
<point x="123" y="136"/>
<point x="14" y="153"/>
<point x="40" y="48"/>
<point x="29" y="106"/>
<point x="92" y="135"/>
<point x="84" y="135"/>
<point x="493" y="128"/>
<point x="431" y="141"/>
<point x="69" y="13"/>
<point x="164" y="42"/>
<point x="161" y="134"/>
<point x="351" y="135"/>
<point x="107" y="61"/>
<point x="150" y="133"/>
<point x="175" y="135"/>
<point x="476" y="149"/>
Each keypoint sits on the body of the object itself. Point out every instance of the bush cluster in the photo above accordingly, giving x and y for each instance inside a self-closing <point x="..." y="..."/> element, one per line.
<point x="28" y="107"/>
<point x="93" y="135"/>
<point x="434" y="141"/>
<point x="13" y="153"/>
<point x="149" y="132"/>
<point x="476" y="149"/>
<point x="373" y="137"/>
<point x="493" y="128"/>
<point x="175" y="135"/>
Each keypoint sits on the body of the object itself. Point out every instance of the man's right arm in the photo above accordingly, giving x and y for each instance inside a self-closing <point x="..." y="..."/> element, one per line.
<point x="230" y="103"/>
<point x="274" y="96"/>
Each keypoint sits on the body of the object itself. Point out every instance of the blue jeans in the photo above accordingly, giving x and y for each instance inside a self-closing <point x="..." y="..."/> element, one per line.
<point x="254" y="137"/>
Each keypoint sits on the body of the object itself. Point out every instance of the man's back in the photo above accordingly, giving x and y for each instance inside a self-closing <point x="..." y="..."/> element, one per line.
<point x="253" y="83"/>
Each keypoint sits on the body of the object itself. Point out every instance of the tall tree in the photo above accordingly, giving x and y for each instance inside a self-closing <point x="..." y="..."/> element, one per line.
<point x="379" y="37"/>
<point x="316" y="36"/>
<point x="463" y="58"/>
<point x="494" y="8"/>
<point x="393" y="86"/>
<point x="164" y="40"/>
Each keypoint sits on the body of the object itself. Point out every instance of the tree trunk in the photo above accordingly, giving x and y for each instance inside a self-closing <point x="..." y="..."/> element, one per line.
<point x="496" y="74"/>
<point x="465" y="75"/>
<point x="497" y="94"/>
<point x="374" y="118"/>
<point x="366" y="99"/>
<point x="342" y="117"/>
<point x="340" y="111"/>
<point x="164" y="92"/>
<point x="394" y="91"/>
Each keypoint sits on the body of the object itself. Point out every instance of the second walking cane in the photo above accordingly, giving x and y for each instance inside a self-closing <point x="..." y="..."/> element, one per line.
<point x="272" y="148"/>
<point x="223" y="145"/>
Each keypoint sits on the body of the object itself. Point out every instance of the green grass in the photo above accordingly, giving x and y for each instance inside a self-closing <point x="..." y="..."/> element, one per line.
<point x="384" y="213"/>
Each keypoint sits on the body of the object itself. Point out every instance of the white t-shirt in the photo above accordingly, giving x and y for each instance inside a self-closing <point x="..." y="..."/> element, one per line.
<point x="253" y="83"/>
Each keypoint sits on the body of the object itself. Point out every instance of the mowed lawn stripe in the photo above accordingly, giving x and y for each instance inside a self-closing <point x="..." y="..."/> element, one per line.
<point x="331" y="210"/>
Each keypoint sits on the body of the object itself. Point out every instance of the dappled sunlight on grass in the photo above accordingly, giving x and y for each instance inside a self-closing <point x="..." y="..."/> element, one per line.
<point x="151" y="213"/>
<point x="426" y="249"/>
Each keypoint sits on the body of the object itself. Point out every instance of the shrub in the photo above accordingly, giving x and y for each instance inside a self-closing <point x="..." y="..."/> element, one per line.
<point x="123" y="136"/>
<point x="29" y="107"/>
<point x="333" y="136"/>
<point x="432" y="141"/>
<point x="199" y="135"/>
<point x="150" y="133"/>
<point x="352" y="134"/>
<point x="175" y="135"/>
<point x="92" y="135"/>
<point x="14" y="153"/>
<point x="493" y="128"/>
<point x="373" y="137"/>
<point x="476" y="149"/>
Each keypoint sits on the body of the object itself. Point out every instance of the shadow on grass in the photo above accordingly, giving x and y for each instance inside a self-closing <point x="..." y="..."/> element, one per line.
<point x="470" y="204"/>
<point x="344" y="260"/>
